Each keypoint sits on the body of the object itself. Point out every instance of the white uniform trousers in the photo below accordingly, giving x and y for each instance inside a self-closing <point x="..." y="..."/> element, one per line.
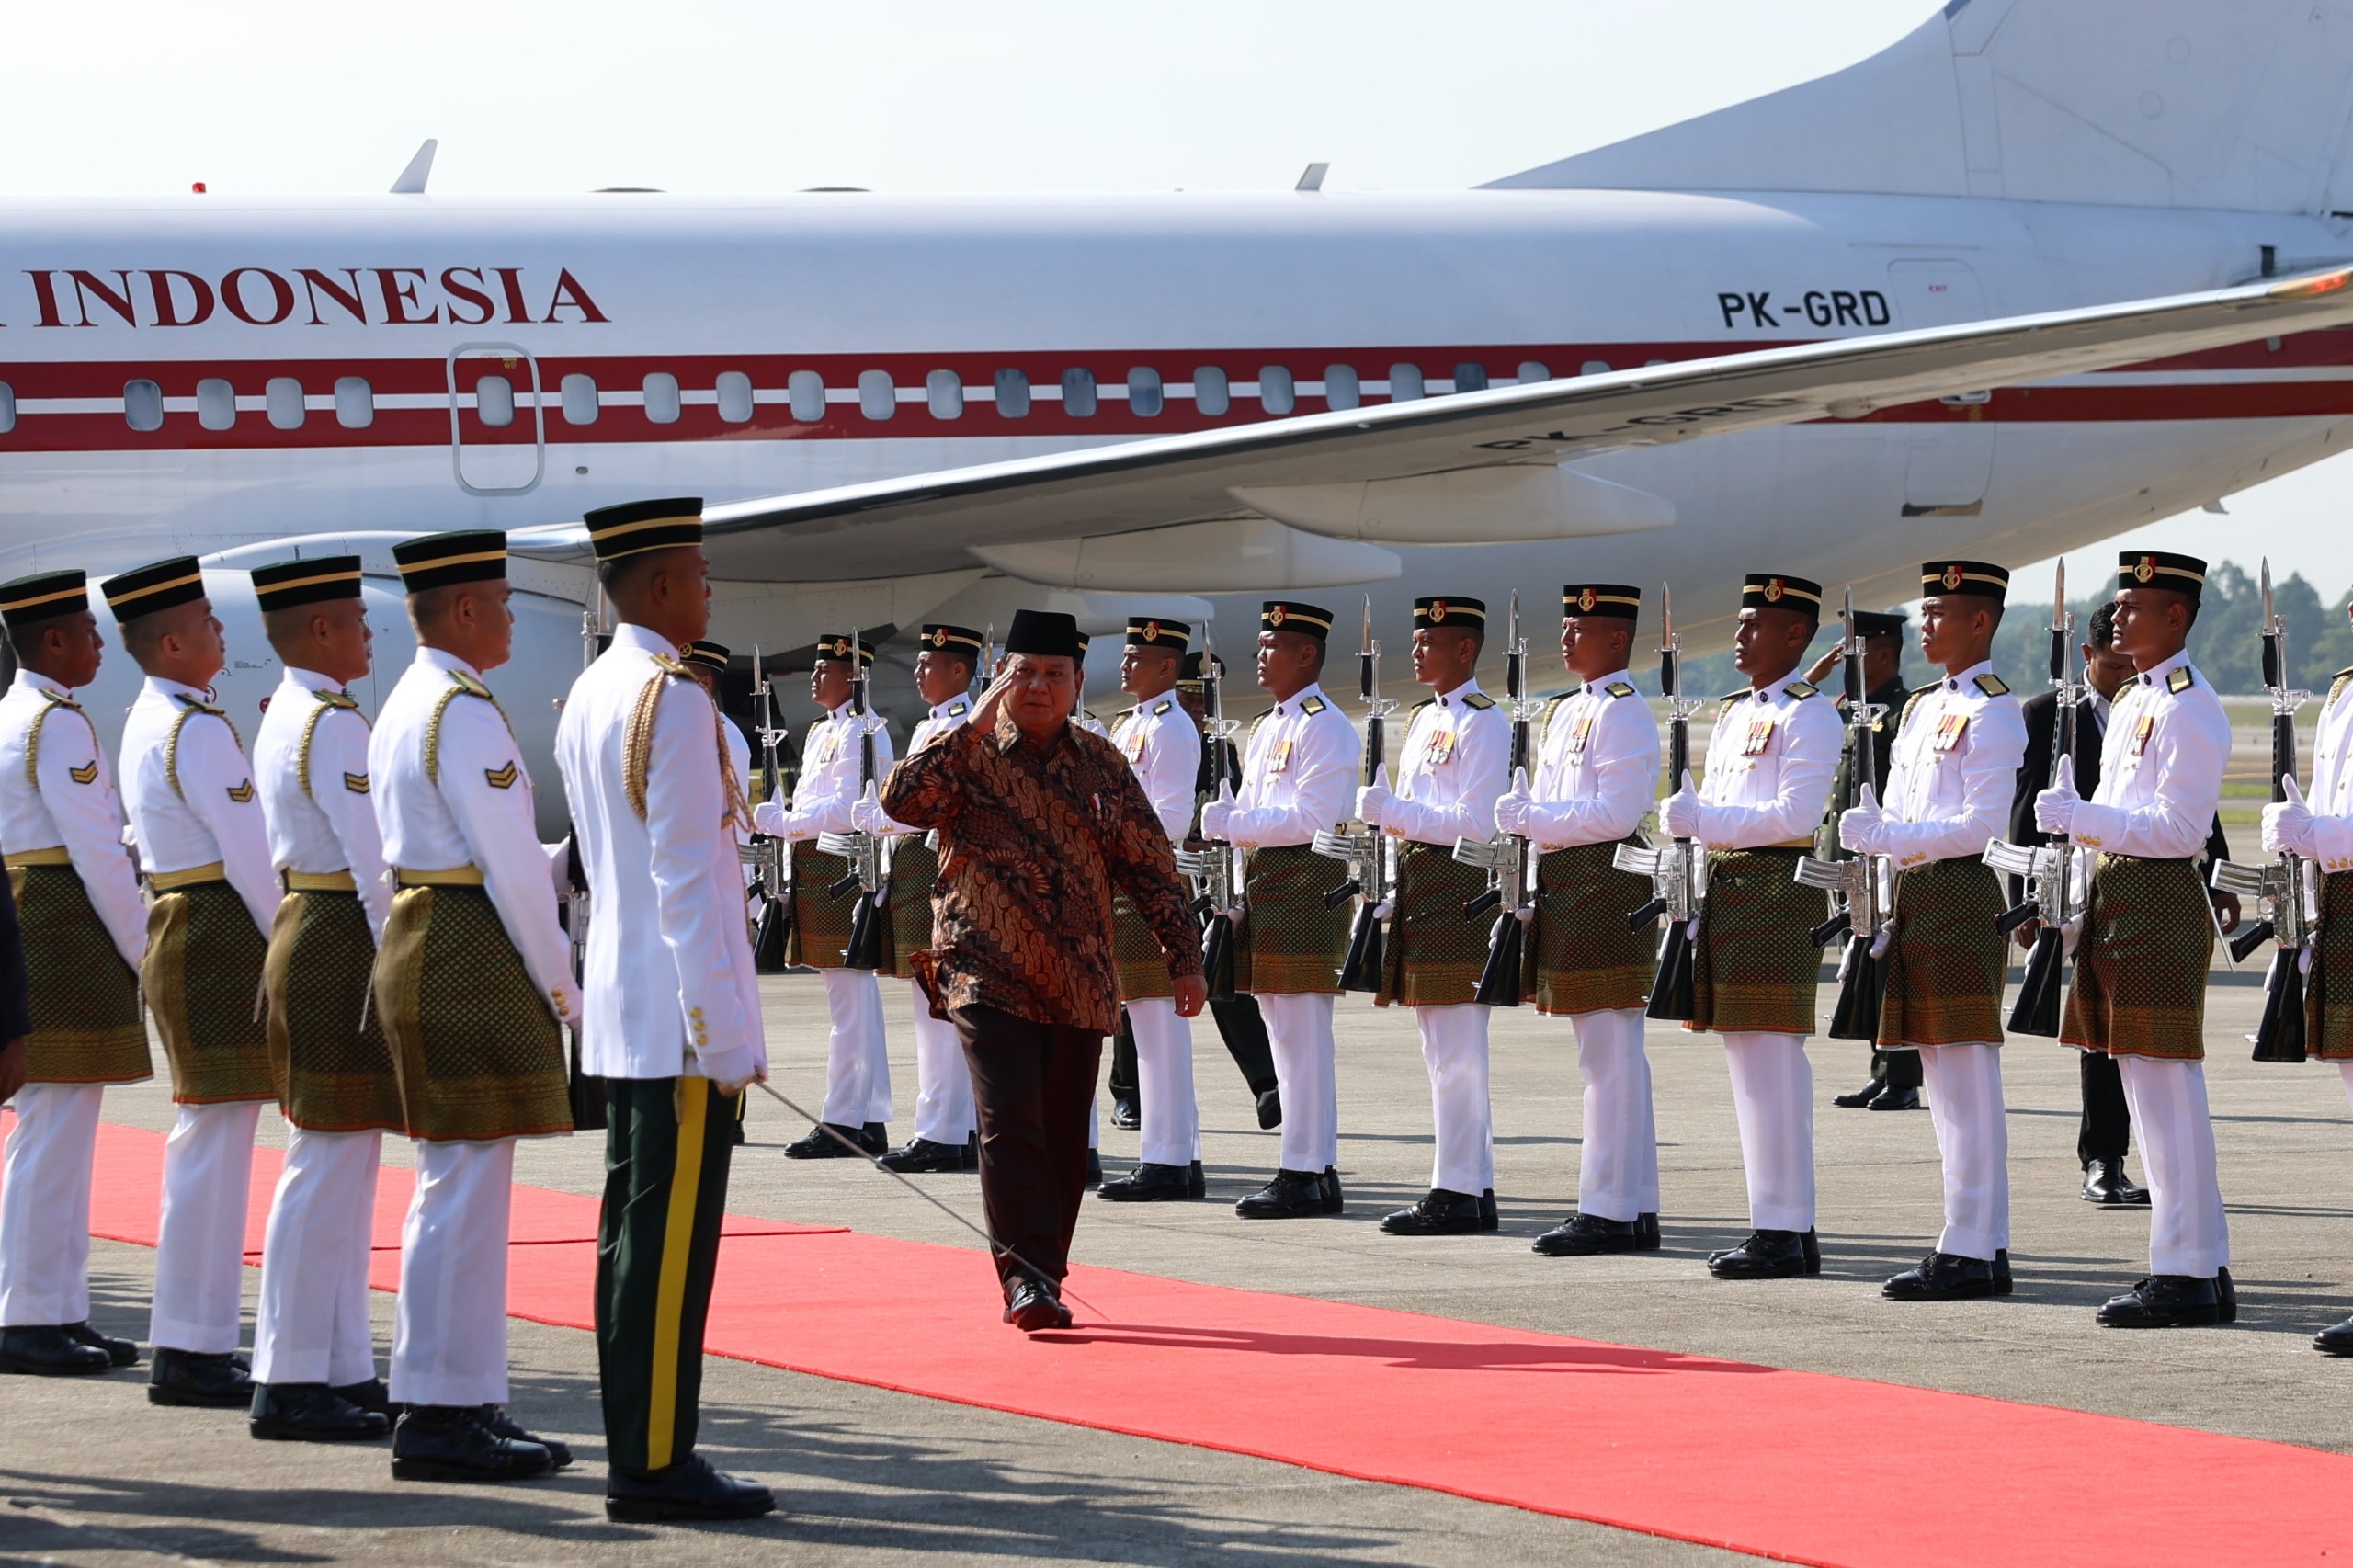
<point x="200" y="1238"/>
<point x="45" y="1206"/>
<point x="2188" y="1233"/>
<point x="1964" y="1085"/>
<point x="1299" y="1029"/>
<point x="449" y="1331"/>
<point x="1171" y="1121"/>
<point x="312" y="1325"/>
<point x="1618" y="1159"/>
<point x="857" y="1059"/>
<point x="943" y="1084"/>
<point x="1454" y="1048"/>
<point x="1772" y="1094"/>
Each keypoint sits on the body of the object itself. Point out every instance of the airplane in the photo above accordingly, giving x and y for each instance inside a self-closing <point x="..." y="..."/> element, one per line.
<point x="2035" y="274"/>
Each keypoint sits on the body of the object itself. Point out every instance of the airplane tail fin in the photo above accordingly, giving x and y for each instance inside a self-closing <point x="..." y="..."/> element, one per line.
<point x="2241" y="105"/>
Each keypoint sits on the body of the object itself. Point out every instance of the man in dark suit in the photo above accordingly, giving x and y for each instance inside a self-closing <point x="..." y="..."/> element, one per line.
<point x="2106" y="1128"/>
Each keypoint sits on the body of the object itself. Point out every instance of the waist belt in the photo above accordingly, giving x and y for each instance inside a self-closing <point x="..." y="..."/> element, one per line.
<point x="195" y="876"/>
<point x="55" y="856"/>
<point x="317" y="881"/>
<point x="1802" y="846"/>
<point x="455" y="877"/>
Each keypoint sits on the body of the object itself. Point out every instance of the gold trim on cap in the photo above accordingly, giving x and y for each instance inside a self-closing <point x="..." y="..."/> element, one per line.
<point x="616" y="529"/>
<point x="350" y="576"/>
<point x="438" y="561"/>
<point x="124" y="597"/>
<point x="82" y="589"/>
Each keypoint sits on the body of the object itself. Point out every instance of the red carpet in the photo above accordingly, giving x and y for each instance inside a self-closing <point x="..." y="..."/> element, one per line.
<point x="1791" y="1465"/>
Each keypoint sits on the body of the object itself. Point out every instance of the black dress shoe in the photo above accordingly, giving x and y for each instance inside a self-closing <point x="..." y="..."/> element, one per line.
<point x="921" y="1154"/>
<point x="1489" y="1218"/>
<point x="1590" y="1235"/>
<point x="369" y="1395"/>
<point x="2336" y="1339"/>
<point x="1292" y="1195"/>
<point x="47" y="1351"/>
<point x="2002" y="1286"/>
<point x="1896" y="1099"/>
<point x="818" y="1144"/>
<point x="122" y="1352"/>
<point x="2164" y="1300"/>
<point x="1270" y="1110"/>
<point x="2226" y="1298"/>
<point x="1442" y="1213"/>
<point x="689" y="1489"/>
<point x="495" y="1419"/>
<point x="1126" y="1113"/>
<point x="211" y="1382"/>
<point x="2105" y="1182"/>
<point x="442" y="1442"/>
<point x="1149" y="1183"/>
<point x="1036" y="1306"/>
<point x="312" y="1413"/>
<point x="1094" y="1168"/>
<point x="972" y="1153"/>
<point x="1335" y="1200"/>
<point x="1861" y="1097"/>
<point x="874" y="1137"/>
<point x="1769" y="1255"/>
<point x="1942" y="1277"/>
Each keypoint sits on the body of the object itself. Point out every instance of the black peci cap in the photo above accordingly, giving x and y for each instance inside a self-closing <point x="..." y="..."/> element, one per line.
<point x="289" y="584"/>
<point x="711" y="656"/>
<point x="27" y="601"/>
<point x="1151" y="631"/>
<point x="1292" y="615"/>
<point x="635" y="527"/>
<point x="1774" y="590"/>
<point x="1442" y="612"/>
<point x="440" y="561"/>
<point x="158" y="586"/>
<point x="1047" y="633"/>
<point x="1979" y="577"/>
<point x="2160" y="569"/>
<point x="1621" y="600"/>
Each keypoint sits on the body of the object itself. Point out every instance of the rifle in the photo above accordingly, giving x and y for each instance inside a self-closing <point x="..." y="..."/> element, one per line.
<point x="869" y="872"/>
<point x="1861" y="915"/>
<point x="2047" y="868"/>
<point x="1505" y="855"/>
<point x="2290" y="898"/>
<point x="1365" y="849"/>
<point x="1211" y="868"/>
<point x="770" y="856"/>
<point x="1677" y="870"/>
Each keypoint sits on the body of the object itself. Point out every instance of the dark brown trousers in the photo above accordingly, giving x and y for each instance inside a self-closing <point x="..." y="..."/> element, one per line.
<point x="1032" y="1084"/>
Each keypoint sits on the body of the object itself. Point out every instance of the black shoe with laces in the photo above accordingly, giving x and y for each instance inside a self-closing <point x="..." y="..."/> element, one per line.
<point x="1769" y="1255"/>
<point x="1861" y="1097"/>
<point x="312" y="1413"/>
<point x="819" y="1143"/>
<point x="921" y="1154"/>
<point x="1942" y="1277"/>
<point x="1036" y="1306"/>
<point x="689" y="1489"/>
<point x="207" y="1381"/>
<point x="495" y="1420"/>
<point x="46" y="1350"/>
<point x="1292" y="1195"/>
<point x="1149" y="1183"/>
<point x="1442" y="1213"/>
<point x="2164" y="1300"/>
<point x="122" y="1352"/>
<point x="442" y="1442"/>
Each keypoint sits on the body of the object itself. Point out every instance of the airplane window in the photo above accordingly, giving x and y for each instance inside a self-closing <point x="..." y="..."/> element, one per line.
<point x="944" y="390"/>
<point x="1276" y="393"/>
<point x="1144" y="391"/>
<point x="7" y="408"/>
<point x="808" y="390"/>
<point x="877" y="398"/>
<point x="1078" y="394"/>
<point x="1404" y="383"/>
<point x="1341" y="388"/>
<point x="734" y="397"/>
<point x="355" y="403"/>
<point x="1534" y="371"/>
<point x="216" y="404"/>
<point x="1211" y="394"/>
<point x="662" y="398"/>
<point x="579" y="400"/>
<point x="494" y="400"/>
<point x="1594" y="367"/>
<point x="284" y="395"/>
<point x="1470" y="378"/>
<point x="1012" y="393"/>
<point x="142" y="405"/>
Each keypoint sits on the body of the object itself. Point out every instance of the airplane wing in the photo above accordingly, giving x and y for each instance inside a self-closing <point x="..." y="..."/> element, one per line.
<point x="1469" y="468"/>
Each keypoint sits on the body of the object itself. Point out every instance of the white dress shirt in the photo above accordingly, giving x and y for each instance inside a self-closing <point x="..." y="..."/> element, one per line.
<point x="2331" y="798"/>
<point x="194" y="803"/>
<point x="67" y="799"/>
<point x="1596" y="768"/>
<point x="831" y="778"/>
<point x="1159" y="740"/>
<point x="475" y="808"/>
<point x="1952" y="771"/>
<point x="1300" y="767"/>
<point x="1770" y="765"/>
<point x="670" y="990"/>
<point x="1453" y="767"/>
<point x="2160" y="766"/>
<point x="311" y="766"/>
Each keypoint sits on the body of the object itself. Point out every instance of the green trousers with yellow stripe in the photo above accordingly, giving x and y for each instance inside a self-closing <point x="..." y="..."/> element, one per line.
<point x="667" y="1141"/>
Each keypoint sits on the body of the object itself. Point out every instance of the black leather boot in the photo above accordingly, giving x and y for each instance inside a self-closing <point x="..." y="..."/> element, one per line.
<point x="209" y="1381"/>
<point x="312" y="1413"/>
<point x="442" y="1442"/>
<point x="47" y="1351"/>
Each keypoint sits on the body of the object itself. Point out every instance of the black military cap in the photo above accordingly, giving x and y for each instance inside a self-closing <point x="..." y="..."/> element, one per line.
<point x="840" y="644"/>
<point x="1189" y="674"/>
<point x="1776" y="590"/>
<point x="1048" y="634"/>
<point x="1442" y="612"/>
<point x="939" y="636"/>
<point x="708" y="654"/>
<point x="1881" y="623"/>
<point x="1151" y="631"/>
<point x="1977" y="577"/>
<point x="44" y="595"/>
<point x="439" y="561"/>
<point x="1621" y="600"/>
<point x="636" y="527"/>
<point x="2161" y="569"/>
<point x="287" y="584"/>
<point x="158" y="586"/>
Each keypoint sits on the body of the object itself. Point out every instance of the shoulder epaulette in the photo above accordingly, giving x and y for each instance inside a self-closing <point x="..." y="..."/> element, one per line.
<point x="1993" y="685"/>
<point x="1801" y="689"/>
<point x="959" y="708"/>
<point x="32" y="739"/>
<point x="637" y="741"/>
<point x="1312" y="705"/>
<point x="190" y="708"/>
<point x="1264" y="715"/>
<point x="670" y="667"/>
<point x="333" y="699"/>
<point x="329" y="702"/>
<point x="2179" y="681"/>
<point x="461" y="685"/>
<point x="1734" y="695"/>
<point x="1425" y="702"/>
<point x="1620" y="689"/>
<point x="1162" y="706"/>
<point x="58" y="699"/>
<point x="470" y="687"/>
<point x="1478" y="702"/>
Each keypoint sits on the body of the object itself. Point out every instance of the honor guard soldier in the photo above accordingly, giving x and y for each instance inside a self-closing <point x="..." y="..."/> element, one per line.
<point x="203" y="844"/>
<point x="833" y="781"/>
<point x="1755" y="965"/>
<point x="1455" y="756"/>
<point x="1160" y="743"/>
<point x="946" y="1134"/>
<point x="1084" y="718"/>
<point x="1240" y="1025"/>
<point x="83" y="934"/>
<point x="2139" y="992"/>
<point x="670" y="1008"/>
<point x="707" y="660"/>
<point x="1596" y="771"/>
<point x="1956" y="750"/>
<point x="314" y="1355"/>
<point x="473" y="984"/>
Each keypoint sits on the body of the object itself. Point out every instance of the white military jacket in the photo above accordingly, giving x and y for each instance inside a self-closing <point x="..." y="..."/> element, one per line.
<point x="1451" y="768"/>
<point x="670" y="989"/>
<point x="2160" y="766"/>
<point x="1771" y="765"/>
<point x="311" y="766"/>
<point x="829" y="787"/>
<point x="57" y="791"/>
<point x="455" y="795"/>
<point x="2331" y="797"/>
<point x="190" y="794"/>
<point x="1952" y="771"/>
<point x="1596" y="766"/>
<point x="1159" y="740"/>
<point x="1299" y="773"/>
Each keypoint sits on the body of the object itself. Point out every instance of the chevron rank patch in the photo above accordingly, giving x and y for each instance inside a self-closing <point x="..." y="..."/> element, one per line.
<point x="242" y="793"/>
<point x="500" y="777"/>
<point x="356" y="782"/>
<point x="85" y="773"/>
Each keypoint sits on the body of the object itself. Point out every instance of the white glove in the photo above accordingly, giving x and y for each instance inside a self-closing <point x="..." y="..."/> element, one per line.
<point x="1679" y="813"/>
<point x="2054" y="809"/>
<point x="868" y="816"/>
<point x="1859" y="824"/>
<point x="1217" y="814"/>
<point x="779" y="822"/>
<point x="1511" y="810"/>
<point x="2288" y="825"/>
<point x="1374" y="798"/>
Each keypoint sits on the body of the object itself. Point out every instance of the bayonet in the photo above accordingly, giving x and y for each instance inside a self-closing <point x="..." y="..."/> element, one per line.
<point x="1364" y="847"/>
<point x="1678" y="870"/>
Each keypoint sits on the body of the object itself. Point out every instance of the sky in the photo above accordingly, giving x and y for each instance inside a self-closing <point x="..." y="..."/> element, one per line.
<point x="531" y="95"/>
